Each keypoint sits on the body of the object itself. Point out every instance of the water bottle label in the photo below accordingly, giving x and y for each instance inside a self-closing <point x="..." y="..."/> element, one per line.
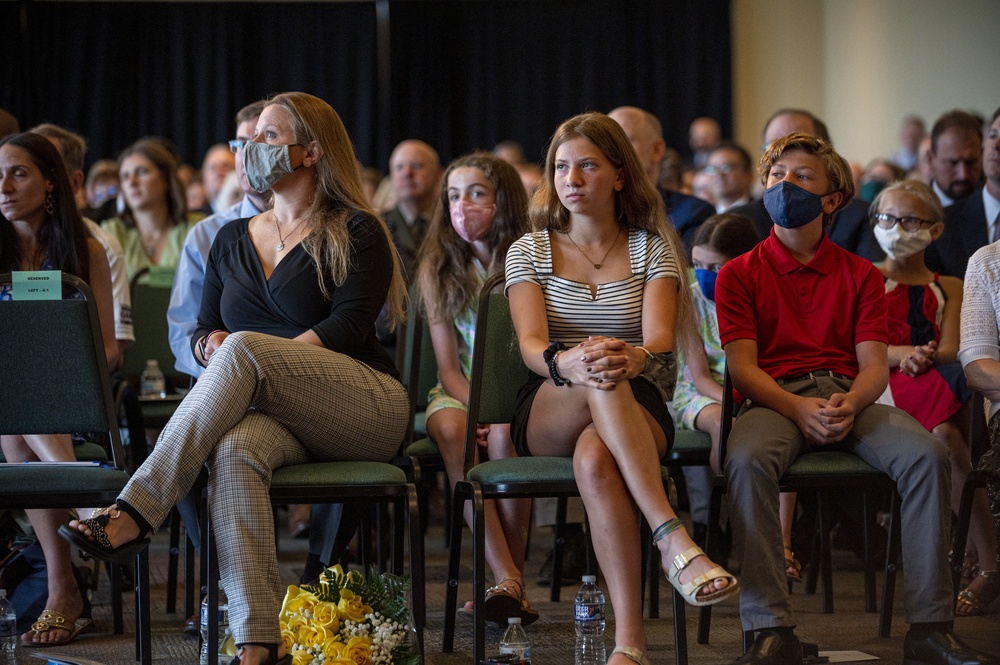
<point x="519" y="652"/>
<point x="589" y="611"/>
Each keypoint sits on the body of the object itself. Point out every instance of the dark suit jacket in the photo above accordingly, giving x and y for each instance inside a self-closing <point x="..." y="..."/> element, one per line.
<point x="687" y="213"/>
<point x="965" y="231"/>
<point x="850" y="228"/>
<point x="407" y="239"/>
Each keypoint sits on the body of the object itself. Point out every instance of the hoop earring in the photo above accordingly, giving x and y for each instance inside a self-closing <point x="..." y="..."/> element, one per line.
<point x="50" y="203"/>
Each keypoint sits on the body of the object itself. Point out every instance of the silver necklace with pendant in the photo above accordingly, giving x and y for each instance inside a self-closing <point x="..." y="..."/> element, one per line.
<point x="281" y="241"/>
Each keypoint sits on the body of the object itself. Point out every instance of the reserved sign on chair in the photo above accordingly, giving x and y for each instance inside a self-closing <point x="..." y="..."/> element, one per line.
<point x="36" y="285"/>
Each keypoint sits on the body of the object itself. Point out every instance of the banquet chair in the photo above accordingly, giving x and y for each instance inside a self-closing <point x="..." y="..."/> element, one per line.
<point x="815" y="472"/>
<point x="497" y="372"/>
<point x="364" y="483"/>
<point x="56" y="381"/>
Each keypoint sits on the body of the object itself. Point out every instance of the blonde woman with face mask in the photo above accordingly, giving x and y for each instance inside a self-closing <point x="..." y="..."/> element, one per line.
<point x="925" y="378"/>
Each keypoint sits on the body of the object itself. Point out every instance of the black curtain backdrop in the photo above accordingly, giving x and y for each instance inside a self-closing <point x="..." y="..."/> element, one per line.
<point x="461" y="74"/>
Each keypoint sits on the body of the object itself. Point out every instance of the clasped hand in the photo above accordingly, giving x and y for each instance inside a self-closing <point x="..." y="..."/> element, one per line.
<point x="825" y="421"/>
<point x="921" y="360"/>
<point x="601" y="362"/>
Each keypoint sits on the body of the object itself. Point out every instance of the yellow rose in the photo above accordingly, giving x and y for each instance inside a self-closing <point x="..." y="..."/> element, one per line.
<point x="295" y="623"/>
<point x="310" y="636"/>
<point x="297" y="600"/>
<point x="351" y="606"/>
<point x="287" y="638"/>
<point x="325" y="614"/>
<point x="301" y="657"/>
<point x="332" y="649"/>
<point x="358" y="650"/>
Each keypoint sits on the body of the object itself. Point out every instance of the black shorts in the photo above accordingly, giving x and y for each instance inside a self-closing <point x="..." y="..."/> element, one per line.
<point x="645" y="393"/>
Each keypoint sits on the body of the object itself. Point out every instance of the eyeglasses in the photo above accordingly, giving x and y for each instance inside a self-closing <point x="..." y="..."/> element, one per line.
<point x="724" y="169"/>
<point x="236" y="144"/>
<point x="887" y="221"/>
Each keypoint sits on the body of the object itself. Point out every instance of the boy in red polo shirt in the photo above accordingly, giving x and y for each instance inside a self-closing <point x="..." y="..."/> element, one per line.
<point x="803" y="324"/>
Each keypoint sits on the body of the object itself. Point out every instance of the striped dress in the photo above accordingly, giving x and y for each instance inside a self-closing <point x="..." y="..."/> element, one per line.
<point x="573" y="313"/>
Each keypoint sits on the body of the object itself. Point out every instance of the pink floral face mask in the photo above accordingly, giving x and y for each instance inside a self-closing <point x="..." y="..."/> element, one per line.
<point x="471" y="222"/>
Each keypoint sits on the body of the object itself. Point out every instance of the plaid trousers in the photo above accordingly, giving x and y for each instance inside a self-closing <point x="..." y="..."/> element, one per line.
<point x="264" y="402"/>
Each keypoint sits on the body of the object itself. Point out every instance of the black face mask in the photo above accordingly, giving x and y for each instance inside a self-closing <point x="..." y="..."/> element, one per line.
<point x="790" y="206"/>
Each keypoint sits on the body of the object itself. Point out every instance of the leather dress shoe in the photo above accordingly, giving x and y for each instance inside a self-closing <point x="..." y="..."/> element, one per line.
<point x="770" y="649"/>
<point x="943" y="647"/>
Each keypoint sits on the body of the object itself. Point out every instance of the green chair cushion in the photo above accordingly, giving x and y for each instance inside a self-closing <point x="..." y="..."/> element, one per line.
<point x="423" y="448"/>
<point x="527" y="469"/>
<point x="33" y="478"/>
<point x="829" y="462"/>
<point x="338" y="473"/>
<point x="686" y="440"/>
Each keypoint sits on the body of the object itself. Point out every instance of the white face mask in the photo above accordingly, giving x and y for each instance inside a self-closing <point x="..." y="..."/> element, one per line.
<point x="899" y="244"/>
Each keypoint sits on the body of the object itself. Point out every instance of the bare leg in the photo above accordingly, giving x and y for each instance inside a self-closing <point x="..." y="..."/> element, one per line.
<point x="982" y="535"/>
<point x="786" y="510"/>
<point x="63" y="592"/>
<point x="513" y="513"/>
<point x="709" y="420"/>
<point x="635" y="441"/>
<point x="615" y="534"/>
<point x="447" y="428"/>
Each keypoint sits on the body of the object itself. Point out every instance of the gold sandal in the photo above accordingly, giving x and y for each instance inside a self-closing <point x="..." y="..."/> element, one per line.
<point x="973" y="603"/>
<point x="632" y="654"/>
<point x="53" y="620"/>
<point x="507" y="599"/>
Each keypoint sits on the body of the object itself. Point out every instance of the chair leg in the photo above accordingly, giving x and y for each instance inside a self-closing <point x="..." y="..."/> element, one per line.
<point x="891" y="564"/>
<point x="479" y="575"/>
<point x="454" y="559"/>
<point x="143" y="637"/>
<point x="826" y="567"/>
<point x="418" y="605"/>
<point x="866" y="531"/>
<point x="712" y="538"/>
<point x="115" y="572"/>
<point x="173" y="561"/>
<point x="558" y="550"/>
<point x="680" y="628"/>
<point x="190" y="583"/>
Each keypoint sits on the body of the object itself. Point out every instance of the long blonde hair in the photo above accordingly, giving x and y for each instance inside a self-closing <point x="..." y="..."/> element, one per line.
<point x="338" y="195"/>
<point x="637" y="205"/>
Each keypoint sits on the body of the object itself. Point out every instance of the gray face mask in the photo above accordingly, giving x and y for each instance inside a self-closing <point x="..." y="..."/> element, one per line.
<point x="266" y="164"/>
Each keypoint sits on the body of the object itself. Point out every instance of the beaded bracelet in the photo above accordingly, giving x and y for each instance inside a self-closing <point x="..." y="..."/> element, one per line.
<point x="550" y="354"/>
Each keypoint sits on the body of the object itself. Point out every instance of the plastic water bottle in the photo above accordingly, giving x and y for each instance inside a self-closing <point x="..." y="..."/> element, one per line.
<point x="152" y="382"/>
<point x="225" y="637"/>
<point x="589" y="615"/>
<point x="515" y="641"/>
<point x="8" y="630"/>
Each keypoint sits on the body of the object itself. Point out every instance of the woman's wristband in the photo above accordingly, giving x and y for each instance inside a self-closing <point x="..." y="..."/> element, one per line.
<point x="550" y="355"/>
<point x="203" y="342"/>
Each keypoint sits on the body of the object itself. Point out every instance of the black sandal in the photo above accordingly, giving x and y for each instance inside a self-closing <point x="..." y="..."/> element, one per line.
<point x="99" y="546"/>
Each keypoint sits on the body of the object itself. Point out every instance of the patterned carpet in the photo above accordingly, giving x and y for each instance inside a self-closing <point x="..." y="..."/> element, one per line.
<point x="552" y="636"/>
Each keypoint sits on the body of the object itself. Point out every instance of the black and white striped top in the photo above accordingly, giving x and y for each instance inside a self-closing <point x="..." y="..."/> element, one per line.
<point x="573" y="314"/>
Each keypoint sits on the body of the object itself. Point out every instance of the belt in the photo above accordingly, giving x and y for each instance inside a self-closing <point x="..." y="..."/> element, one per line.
<point x="813" y="375"/>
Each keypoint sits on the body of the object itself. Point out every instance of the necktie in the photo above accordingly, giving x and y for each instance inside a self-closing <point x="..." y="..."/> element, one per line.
<point x="996" y="229"/>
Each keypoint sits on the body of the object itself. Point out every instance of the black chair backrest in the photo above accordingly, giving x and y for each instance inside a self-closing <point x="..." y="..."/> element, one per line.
<point x="150" y="299"/>
<point x="54" y="372"/>
<point x="498" y="370"/>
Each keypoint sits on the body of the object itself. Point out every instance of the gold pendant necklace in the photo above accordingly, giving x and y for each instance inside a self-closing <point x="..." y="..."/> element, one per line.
<point x="597" y="266"/>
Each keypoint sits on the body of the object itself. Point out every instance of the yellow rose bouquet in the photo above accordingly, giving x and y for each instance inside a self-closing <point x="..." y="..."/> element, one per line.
<point x="349" y="619"/>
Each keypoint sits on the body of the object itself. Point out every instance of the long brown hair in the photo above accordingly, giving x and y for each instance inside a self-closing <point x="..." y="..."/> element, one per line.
<point x="339" y="195"/>
<point x="637" y="205"/>
<point x="63" y="235"/>
<point x="446" y="274"/>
